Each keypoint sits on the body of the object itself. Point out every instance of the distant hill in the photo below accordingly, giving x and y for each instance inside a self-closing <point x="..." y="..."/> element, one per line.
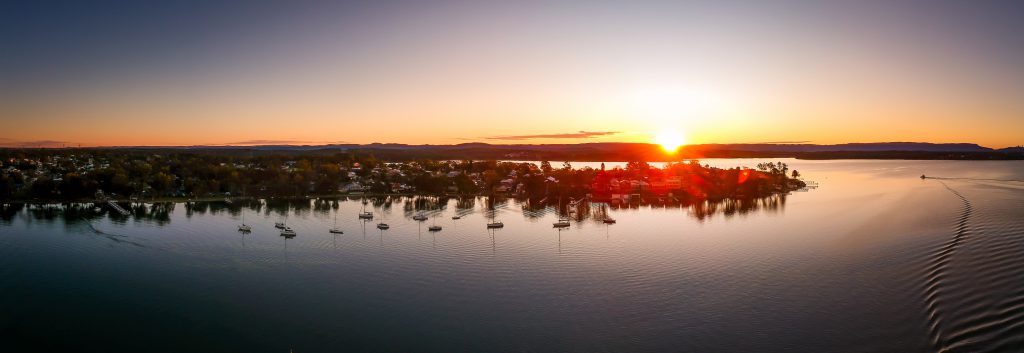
<point x="878" y="146"/>
<point x="614" y="151"/>
<point x="761" y="147"/>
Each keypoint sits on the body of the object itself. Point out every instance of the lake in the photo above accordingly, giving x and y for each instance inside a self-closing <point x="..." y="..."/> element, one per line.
<point x="874" y="259"/>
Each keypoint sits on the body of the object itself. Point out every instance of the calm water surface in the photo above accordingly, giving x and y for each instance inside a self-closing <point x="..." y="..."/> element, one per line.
<point x="873" y="260"/>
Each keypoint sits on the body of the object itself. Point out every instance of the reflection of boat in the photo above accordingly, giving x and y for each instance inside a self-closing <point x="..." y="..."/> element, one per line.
<point x="336" y="230"/>
<point x="287" y="232"/>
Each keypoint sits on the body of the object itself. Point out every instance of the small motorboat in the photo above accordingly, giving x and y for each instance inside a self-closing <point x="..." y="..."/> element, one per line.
<point x="419" y="217"/>
<point x="434" y="228"/>
<point x="609" y="220"/>
<point x="456" y="217"/>
<point x="383" y="226"/>
<point x="495" y="225"/>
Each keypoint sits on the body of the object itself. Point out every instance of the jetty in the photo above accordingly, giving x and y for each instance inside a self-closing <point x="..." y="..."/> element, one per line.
<point x="118" y="208"/>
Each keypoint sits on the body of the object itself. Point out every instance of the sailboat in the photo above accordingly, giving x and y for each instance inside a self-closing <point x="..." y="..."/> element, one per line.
<point x="493" y="224"/>
<point x="364" y="214"/>
<point x="336" y="230"/>
<point x="287" y="232"/>
<point x="244" y="228"/>
<point x="382" y="225"/>
<point x="434" y="227"/>
<point x="563" y="221"/>
<point x="281" y="225"/>
<point x="419" y="217"/>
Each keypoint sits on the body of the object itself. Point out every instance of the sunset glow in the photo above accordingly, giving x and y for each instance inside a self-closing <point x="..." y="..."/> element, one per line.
<point x="500" y="73"/>
<point x="670" y="140"/>
<point x="553" y="176"/>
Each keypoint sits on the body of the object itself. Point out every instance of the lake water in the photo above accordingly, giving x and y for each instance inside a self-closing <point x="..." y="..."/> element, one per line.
<point x="873" y="260"/>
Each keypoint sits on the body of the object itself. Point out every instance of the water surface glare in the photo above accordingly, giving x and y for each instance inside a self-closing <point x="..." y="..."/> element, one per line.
<point x="873" y="260"/>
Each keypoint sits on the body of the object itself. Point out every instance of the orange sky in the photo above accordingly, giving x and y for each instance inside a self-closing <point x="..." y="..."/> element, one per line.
<point x="577" y="72"/>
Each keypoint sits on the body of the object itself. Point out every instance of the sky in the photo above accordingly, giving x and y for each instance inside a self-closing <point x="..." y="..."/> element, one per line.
<point x="104" y="73"/>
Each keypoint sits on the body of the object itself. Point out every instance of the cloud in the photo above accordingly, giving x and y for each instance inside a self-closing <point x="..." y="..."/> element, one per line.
<point x="779" y="142"/>
<point x="571" y="135"/>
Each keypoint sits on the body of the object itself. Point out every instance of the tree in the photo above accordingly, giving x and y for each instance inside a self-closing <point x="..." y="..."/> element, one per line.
<point x="162" y="183"/>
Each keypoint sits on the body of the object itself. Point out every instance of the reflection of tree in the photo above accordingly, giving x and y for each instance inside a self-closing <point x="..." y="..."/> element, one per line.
<point x="600" y="212"/>
<point x="415" y="204"/>
<point x="742" y="206"/>
<point x="160" y="212"/>
<point x="9" y="210"/>
<point x="71" y="213"/>
<point x="464" y="203"/>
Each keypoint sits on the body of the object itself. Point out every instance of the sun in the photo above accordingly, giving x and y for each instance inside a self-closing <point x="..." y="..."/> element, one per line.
<point x="670" y="140"/>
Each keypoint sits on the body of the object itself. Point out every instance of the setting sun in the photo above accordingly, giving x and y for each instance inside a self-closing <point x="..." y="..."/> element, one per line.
<point x="669" y="140"/>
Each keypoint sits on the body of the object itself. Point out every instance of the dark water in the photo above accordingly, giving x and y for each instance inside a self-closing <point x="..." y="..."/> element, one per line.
<point x="874" y="260"/>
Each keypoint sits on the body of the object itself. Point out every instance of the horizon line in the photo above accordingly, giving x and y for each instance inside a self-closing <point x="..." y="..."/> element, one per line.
<point x="214" y="145"/>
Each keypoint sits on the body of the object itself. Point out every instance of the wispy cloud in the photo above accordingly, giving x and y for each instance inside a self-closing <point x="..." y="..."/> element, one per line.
<point x="571" y="135"/>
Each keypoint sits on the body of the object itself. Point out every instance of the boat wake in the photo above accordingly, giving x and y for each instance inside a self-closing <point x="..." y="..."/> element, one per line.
<point x="975" y="179"/>
<point x="936" y="272"/>
<point x="100" y="232"/>
<point x="972" y="290"/>
<point x="117" y="238"/>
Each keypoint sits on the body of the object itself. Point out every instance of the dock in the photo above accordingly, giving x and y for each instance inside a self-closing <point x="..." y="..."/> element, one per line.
<point x="118" y="208"/>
